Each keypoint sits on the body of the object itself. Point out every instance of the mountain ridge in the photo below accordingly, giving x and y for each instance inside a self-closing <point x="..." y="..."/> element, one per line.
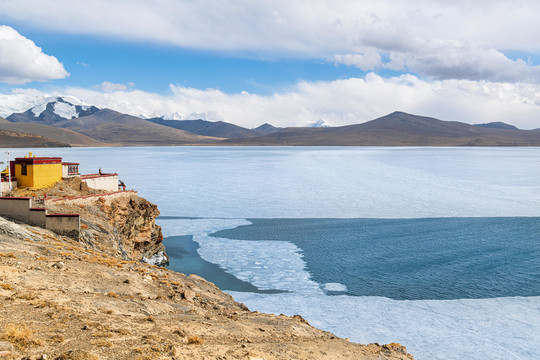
<point x="81" y="124"/>
<point x="397" y="129"/>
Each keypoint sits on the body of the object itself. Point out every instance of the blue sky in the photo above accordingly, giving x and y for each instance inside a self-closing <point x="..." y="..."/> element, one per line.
<point x="289" y="63"/>
<point x="152" y="67"/>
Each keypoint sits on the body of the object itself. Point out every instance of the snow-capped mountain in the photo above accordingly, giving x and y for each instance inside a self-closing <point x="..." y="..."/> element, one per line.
<point x="54" y="109"/>
<point x="319" y="124"/>
<point x="206" y="116"/>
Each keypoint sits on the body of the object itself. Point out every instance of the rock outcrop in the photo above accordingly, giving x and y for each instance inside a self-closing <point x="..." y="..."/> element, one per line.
<point x="121" y="224"/>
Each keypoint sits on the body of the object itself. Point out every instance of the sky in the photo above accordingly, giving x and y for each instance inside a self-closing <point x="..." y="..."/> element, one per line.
<point x="287" y="63"/>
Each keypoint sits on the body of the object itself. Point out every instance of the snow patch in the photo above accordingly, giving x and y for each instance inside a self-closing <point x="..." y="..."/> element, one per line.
<point x="65" y="110"/>
<point x="156" y="259"/>
<point x="319" y="124"/>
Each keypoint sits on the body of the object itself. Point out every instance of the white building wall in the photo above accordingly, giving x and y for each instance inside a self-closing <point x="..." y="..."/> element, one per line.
<point x="102" y="182"/>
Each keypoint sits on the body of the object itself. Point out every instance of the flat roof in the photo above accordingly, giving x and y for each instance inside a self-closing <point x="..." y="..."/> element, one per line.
<point x="38" y="160"/>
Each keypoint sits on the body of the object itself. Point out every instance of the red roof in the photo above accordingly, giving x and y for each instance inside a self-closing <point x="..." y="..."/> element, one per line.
<point x="38" y="160"/>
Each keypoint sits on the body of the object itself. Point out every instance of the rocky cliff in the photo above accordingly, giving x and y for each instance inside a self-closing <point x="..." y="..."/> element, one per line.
<point x="120" y="224"/>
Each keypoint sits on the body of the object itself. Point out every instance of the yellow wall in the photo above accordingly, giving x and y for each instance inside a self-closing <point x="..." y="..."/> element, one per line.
<point x="38" y="175"/>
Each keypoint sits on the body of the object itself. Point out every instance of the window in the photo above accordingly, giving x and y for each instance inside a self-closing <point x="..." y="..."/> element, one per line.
<point x="73" y="169"/>
<point x="23" y="169"/>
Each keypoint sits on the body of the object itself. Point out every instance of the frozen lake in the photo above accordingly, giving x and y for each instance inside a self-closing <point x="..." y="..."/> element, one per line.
<point x="451" y="232"/>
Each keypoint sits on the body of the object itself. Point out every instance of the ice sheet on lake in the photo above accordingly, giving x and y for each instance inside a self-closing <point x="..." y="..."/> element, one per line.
<point x="335" y="287"/>
<point x="265" y="264"/>
<point x="500" y="328"/>
<point x="179" y="227"/>
<point x="311" y="182"/>
<point x="269" y="265"/>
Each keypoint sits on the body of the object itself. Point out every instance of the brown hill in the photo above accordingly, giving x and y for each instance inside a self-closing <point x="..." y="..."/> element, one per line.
<point x="398" y="129"/>
<point x="63" y="136"/>
<point x="16" y="139"/>
<point x="208" y="128"/>
<point x="116" y="128"/>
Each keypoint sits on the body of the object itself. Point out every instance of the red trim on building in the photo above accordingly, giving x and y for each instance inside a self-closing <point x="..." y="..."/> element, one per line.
<point x="63" y="215"/>
<point x="15" y="198"/>
<point x="38" y="160"/>
<point x="70" y="163"/>
<point x="93" y="176"/>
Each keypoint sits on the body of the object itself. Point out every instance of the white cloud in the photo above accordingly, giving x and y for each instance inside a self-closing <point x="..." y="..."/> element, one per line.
<point x="368" y="61"/>
<point x="443" y="39"/>
<point x="21" y="61"/>
<point x="339" y="102"/>
<point x="110" y="86"/>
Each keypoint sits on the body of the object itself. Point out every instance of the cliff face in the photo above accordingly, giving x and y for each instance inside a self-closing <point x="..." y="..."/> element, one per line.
<point x="121" y="224"/>
<point x="134" y="219"/>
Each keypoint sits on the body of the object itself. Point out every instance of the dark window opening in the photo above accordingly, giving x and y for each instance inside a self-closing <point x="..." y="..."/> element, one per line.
<point x="23" y="169"/>
<point x="73" y="169"/>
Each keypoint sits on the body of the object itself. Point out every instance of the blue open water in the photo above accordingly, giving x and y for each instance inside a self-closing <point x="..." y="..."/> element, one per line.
<point x="410" y="259"/>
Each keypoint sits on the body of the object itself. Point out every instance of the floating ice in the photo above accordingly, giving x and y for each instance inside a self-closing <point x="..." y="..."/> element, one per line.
<point x="335" y="287"/>
<point x="265" y="264"/>
<point x="179" y="227"/>
<point x="269" y="265"/>
<point x="500" y="328"/>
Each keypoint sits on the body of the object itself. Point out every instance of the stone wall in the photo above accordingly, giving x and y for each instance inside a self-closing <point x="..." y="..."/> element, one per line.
<point x="64" y="224"/>
<point x="17" y="209"/>
<point x="20" y="209"/>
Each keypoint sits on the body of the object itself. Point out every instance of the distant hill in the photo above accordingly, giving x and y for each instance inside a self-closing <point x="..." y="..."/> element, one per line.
<point x="497" y="125"/>
<point x="266" y="129"/>
<point x="15" y="139"/>
<point x="208" y="128"/>
<point x="66" y="120"/>
<point x="53" y="110"/>
<point x="63" y="136"/>
<point x="398" y="129"/>
<point x="116" y="128"/>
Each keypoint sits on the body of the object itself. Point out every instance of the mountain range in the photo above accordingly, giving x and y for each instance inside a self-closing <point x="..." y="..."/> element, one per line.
<point x="67" y="121"/>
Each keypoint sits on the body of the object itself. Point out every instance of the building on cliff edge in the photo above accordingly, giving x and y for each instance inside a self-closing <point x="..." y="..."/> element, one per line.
<point x="40" y="172"/>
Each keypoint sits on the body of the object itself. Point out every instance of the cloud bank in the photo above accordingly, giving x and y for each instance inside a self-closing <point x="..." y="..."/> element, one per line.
<point x="21" y="61"/>
<point x="437" y="39"/>
<point x="339" y="102"/>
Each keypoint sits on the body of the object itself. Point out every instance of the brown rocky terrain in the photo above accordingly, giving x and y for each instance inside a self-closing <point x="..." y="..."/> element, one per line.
<point x="94" y="299"/>
<point x="13" y="139"/>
